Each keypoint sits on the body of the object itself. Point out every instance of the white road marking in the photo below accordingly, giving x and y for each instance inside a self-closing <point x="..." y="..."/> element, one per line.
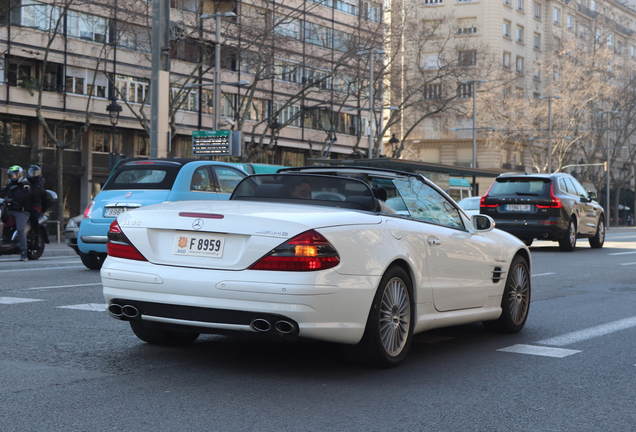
<point x="15" y="300"/>
<point x="29" y="269"/>
<point x="542" y="274"/>
<point x="623" y="253"/>
<point x="634" y="263"/>
<point x="61" y="286"/>
<point x="622" y="237"/>
<point x="589" y="333"/>
<point x="539" y="351"/>
<point x="97" y="307"/>
<point x="39" y="259"/>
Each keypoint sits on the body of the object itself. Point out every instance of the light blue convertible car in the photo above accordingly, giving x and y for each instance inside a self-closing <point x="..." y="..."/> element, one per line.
<point x="139" y="183"/>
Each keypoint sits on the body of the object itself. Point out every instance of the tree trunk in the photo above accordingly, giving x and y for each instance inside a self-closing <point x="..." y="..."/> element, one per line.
<point x="616" y="201"/>
<point x="59" y="186"/>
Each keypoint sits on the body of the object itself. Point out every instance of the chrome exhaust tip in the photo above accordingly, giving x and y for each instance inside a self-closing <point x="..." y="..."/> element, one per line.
<point x="115" y="309"/>
<point x="260" y="325"/>
<point x="284" y="327"/>
<point x="129" y="311"/>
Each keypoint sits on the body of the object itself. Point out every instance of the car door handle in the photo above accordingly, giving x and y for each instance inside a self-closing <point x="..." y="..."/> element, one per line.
<point x="434" y="242"/>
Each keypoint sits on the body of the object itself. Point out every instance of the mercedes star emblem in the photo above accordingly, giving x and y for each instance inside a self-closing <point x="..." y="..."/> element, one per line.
<point x="197" y="224"/>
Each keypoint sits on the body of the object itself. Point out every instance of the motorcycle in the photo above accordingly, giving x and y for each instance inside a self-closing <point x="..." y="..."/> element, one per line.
<point x="9" y="243"/>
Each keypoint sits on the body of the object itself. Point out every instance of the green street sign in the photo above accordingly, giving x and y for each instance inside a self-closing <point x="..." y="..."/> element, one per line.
<point x="212" y="143"/>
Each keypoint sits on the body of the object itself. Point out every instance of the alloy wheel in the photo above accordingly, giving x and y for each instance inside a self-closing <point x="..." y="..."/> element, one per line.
<point x="395" y="317"/>
<point x="519" y="294"/>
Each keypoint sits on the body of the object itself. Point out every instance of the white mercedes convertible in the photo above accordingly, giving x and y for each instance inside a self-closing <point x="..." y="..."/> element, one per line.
<point x="358" y="256"/>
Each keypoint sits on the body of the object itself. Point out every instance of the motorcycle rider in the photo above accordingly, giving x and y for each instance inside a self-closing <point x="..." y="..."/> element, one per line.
<point x="38" y="195"/>
<point x="18" y="191"/>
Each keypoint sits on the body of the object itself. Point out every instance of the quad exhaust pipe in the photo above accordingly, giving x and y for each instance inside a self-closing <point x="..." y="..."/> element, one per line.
<point x="119" y="311"/>
<point x="264" y="325"/>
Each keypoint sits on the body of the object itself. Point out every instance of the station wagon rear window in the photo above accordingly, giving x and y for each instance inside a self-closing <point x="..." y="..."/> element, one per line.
<point x="143" y="177"/>
<point x="520" y="187"/>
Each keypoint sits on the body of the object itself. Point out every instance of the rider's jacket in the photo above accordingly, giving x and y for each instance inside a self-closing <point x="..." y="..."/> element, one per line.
<point x="18" y="195"/>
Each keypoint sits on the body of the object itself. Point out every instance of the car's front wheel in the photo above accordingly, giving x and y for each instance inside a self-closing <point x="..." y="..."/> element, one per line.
<point x="515" y="301"/>
<point x="157" y="336"/>
<point x="92" y="261"/>
<point x="387" y="336"/>
<point x="599" y="238"/>
<point x="568" y="243"/>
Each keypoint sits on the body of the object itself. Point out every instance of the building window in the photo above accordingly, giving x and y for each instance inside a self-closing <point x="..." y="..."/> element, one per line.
<point x="519" y="64"/>
<point x="186" y="100"/>
<point x="633" y="50"/>
<point x="506" y="60"/>
<point x="369" y="12"/>
<point x="520" y="5"/>
<point x="432" y="62"/>
<point x="609" y="40"/>
<point x="88" y="27"/>
<point x="557" y="16"/>
<point x="318" y="35"/>
<point x="288" y="27"/>
<point x="506" y="2"/>
<point x="432" y="92"/>
<point x="347" y="6"/>
<point x="467" y="58"/>
<point x="506" y="28"/>
<point x="132" y="89"/>
<point x="570" y="22"/>
<point x="519" y="34"/>
<point x="467" y="26"/>
<point x="465" y="91"/>
<point x="537" y="73"/>
<point x="537" y="11"/>
<point x="432" y="2"/>
<point x="592" y="5"/>
<point x="537" y="41"/>
<point x="289" y="115"/>
<point x="74" y="85"/>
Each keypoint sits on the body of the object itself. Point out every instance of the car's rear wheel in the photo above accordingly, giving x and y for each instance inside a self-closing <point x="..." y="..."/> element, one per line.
<point x="389" y="330"/>
<point x="568" y="243"/>
<point x="92" y="261"/>
<point x="599" y="238"/>
<point x="515" y="302"/>
<point x="155" y="336"/>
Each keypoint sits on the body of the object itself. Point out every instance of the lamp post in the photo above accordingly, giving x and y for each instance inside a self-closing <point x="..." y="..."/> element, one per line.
<point x="549" y="98"/>
<point x="217" y="65"/>
<point x="608" y="211"/>
<point x="473" y="82"/>
<point x="393" y="141"/>
<point x="275" y="128"/>
<point x="114" y="109"/>
<point x="370" y="54"/>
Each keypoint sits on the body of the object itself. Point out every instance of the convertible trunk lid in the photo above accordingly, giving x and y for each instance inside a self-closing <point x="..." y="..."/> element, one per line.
<point x="229" y="235"/>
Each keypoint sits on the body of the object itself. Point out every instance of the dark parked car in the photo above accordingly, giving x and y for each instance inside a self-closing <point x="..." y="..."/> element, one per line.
<point x="547" y="207"/>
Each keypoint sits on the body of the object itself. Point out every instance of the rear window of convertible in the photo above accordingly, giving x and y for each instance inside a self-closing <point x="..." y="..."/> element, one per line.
<point x="143" y="177"/>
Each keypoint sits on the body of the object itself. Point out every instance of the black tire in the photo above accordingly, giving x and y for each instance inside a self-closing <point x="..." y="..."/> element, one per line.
<point x="599" y="238"/>
<point x="35" y="247"/>
<point x="155" y="336"/>
<point x="568" y="242"/>
<point x="92" y="261"/>
<point x="528" y="242"/>
<point x="515" y="301"/>
<point x="389" y="330"/>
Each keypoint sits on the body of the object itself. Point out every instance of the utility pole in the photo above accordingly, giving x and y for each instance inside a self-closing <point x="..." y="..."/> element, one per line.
<point x="370" y="53"/>
<point x="549" y="98"/>
<point x="608" y="210"/>
<point x="160" y="79"/>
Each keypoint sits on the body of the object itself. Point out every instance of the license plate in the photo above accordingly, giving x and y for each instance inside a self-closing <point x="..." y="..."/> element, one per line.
<point x="518" y="207"/>
<point x="198" y="245"/>
<point x="115" y="211"/>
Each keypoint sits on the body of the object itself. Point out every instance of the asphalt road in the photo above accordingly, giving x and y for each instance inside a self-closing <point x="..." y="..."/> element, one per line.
<point x="66" y="366"/>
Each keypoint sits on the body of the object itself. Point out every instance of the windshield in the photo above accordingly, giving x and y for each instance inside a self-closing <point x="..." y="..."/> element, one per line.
<point x="520" y="187"/>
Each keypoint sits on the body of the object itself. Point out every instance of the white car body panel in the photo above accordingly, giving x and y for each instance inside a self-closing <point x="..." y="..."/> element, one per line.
<point x="330" y="305"/>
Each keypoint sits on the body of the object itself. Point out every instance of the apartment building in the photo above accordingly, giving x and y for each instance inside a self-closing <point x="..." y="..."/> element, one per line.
<point x="513" y="35"/>
<point x="64" y="63"/>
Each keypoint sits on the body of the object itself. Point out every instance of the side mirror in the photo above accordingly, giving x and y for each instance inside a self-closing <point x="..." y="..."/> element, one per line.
<point x="482" y="223"/>
<point x="592" y="195"/>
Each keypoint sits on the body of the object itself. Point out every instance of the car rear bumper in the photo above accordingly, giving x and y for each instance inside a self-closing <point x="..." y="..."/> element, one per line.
<point x="92" y="237"/>
<point x="527" y="229"/>
<point x="321" y="305"/>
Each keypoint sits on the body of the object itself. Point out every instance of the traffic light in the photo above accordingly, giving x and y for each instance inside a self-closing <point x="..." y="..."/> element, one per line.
<point x="605" y="166"/>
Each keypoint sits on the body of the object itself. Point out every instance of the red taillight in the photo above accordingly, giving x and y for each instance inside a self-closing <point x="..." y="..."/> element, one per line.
<point x="554" y="201"/>
<point x="308" y="251"/>
<point x="145" y="163"/>
<point x="482" y="203"/>
<point x="88" y="213"/>
<point x="119" y="246"/>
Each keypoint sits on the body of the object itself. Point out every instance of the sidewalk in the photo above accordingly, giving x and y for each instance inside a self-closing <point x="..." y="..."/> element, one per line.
<point x="58" y="249"/>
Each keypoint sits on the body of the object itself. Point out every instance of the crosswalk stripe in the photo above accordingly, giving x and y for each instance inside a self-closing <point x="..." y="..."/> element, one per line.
<point x="539" y="351"/>
<point x="590" y="333"/>
<point x="15" y="300"/>
<point x="96" y="307"/>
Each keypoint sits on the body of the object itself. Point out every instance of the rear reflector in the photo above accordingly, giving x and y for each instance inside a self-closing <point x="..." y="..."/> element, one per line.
<point x="308" y="251"/>
<point x="145" y="163"/>
<point x="119" y="246"/>
<point x="201" y="215"/>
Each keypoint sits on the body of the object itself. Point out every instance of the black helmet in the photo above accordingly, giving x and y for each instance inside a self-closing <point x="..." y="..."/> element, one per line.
<point x="14" y="173"/>
<point x="34" y="174"/>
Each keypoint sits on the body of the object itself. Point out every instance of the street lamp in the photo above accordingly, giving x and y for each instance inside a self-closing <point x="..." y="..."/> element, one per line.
<point x="393" y="141"/>
<point x="370" y="54"/>
<point x="549" y="98"/>
<point x="473" y="82"/>
<point x="607" y="186"/>
<point x="114" y="109"/>
<point x="275" y="128"/>
<point x="217" y="64"/>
